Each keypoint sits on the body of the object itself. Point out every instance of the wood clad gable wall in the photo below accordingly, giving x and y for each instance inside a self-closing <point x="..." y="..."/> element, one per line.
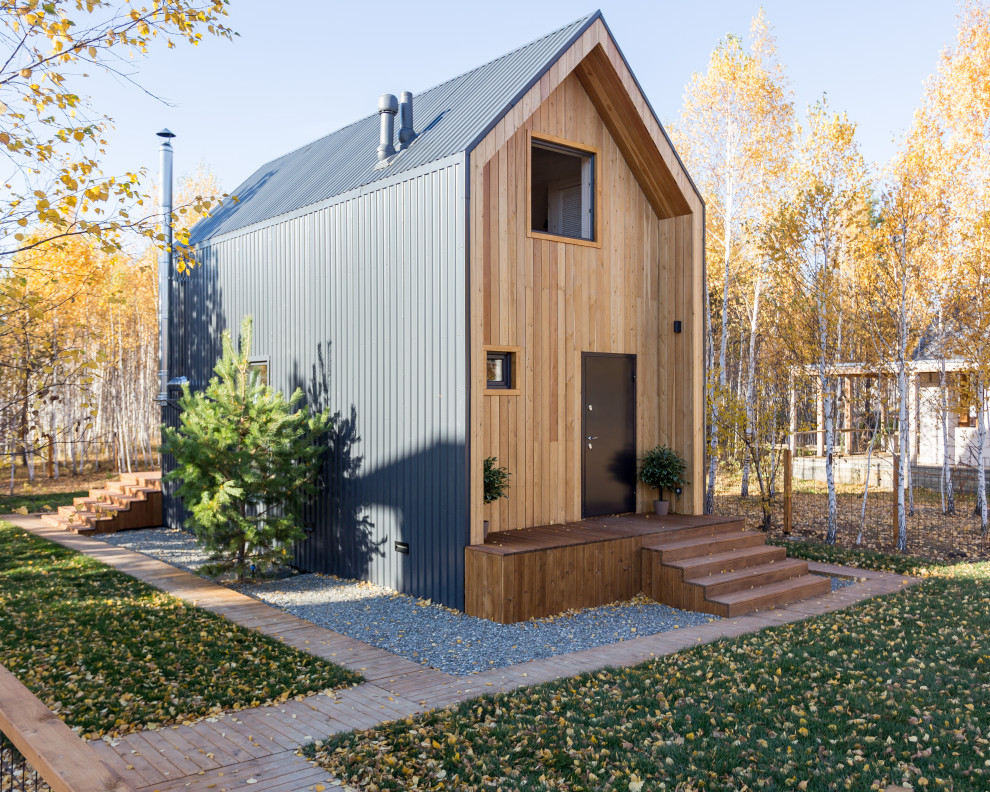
<point x="552" y="300"/>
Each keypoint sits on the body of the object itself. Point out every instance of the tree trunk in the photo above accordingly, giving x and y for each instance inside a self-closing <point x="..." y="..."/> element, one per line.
<point x="981" y="477"/>
<point x="904" y="457"/>
<point x="866" y="485"/>
<point x="751" y="378"/>
<point x="948" y="498"/>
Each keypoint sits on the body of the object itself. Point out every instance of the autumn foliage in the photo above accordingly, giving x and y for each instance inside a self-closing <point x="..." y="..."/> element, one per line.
<point x="818" y="260"/>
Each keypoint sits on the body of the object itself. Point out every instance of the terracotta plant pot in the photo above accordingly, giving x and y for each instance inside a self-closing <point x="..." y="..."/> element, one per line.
<point x="661" y="507"/>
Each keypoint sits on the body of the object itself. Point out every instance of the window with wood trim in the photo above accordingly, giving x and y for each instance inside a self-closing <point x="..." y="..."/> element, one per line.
<point x="562" y="190"/>
<point x="500" y="370"/>
<point x="966" y="400"/>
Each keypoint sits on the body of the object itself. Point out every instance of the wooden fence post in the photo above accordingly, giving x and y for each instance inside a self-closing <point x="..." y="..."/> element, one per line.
<point x="787" y="491"/>
<point x="897" y="486"/>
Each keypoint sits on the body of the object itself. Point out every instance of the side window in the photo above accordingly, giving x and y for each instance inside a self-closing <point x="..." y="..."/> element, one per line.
<point x="500" y="370"/>
<point x="503" y="372"/>
<point x="261" y="366"/>
<point x="966" y="400"/>
<point x="562" y="190"/>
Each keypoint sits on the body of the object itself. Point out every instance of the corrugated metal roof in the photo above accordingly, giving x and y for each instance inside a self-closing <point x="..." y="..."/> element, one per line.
<point x="447" y="118"/>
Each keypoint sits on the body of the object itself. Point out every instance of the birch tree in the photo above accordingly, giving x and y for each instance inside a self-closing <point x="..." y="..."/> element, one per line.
<point x="812" y="239"/>
<point x="893" y="285"/>
<point x="956" y="115"/>
<point x="735" y="136"/>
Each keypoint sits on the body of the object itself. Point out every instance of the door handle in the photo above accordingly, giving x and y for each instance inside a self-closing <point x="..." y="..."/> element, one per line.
<point x="592" y="438"/>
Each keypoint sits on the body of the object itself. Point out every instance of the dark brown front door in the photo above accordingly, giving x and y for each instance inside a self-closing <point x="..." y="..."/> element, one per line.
<point x="608" y="422"/>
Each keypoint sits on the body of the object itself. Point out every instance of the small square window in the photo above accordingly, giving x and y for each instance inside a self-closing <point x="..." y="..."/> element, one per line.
<point x="500" y="370"/>
<point x="562" y="191"/>
<point x="261" y="366"/>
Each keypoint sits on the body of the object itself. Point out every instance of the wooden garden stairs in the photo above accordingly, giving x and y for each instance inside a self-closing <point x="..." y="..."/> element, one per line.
<point x="725" y="570"/>
<point x="135" y="501"/>
<point x="704" y="563"/>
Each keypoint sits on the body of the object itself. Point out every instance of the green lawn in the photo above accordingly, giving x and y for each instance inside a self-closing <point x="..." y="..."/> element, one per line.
<point x="9" y="504"/>
<point x="865" y="559"/>
<point x="894" y="690"/>
<point x="110" y="654"/>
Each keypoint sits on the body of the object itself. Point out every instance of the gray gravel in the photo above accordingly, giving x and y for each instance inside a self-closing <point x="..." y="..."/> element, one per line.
<point x="424" y="632"/>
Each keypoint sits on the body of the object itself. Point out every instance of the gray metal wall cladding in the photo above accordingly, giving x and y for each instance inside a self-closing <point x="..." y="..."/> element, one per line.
<point x="361" y="303"/>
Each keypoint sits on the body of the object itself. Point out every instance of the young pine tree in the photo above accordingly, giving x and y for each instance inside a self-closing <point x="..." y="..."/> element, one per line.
<point x="246" y="460"/>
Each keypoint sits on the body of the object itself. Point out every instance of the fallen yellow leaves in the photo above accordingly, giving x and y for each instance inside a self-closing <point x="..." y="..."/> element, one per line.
<point x="109" y="654"/>
<point x="892" y="691"/>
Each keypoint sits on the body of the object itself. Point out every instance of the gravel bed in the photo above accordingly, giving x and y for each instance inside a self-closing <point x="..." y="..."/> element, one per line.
<point x="424" y="632"/>
<point x="840" y="582"/>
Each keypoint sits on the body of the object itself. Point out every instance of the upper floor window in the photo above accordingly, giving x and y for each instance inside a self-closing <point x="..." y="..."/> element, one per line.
<point x="562" y="189"/>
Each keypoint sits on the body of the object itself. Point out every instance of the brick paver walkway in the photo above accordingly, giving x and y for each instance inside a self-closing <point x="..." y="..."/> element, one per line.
<point x="256" y="748"/>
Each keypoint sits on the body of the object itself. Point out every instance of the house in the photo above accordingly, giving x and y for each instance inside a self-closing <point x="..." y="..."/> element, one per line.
<point x="517" y="273"/>
<point x="868" y="392"/>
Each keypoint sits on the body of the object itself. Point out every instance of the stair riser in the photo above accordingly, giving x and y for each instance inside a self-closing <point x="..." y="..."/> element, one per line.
<point x="144" y="479"/>
<point x="114" y="497"/>
<point x="757" y="579"/>
<point x="768" y="555"/>
<point x="815" y="587"/>
<point x="706" y="531"/>
<point x="712" y="546"/>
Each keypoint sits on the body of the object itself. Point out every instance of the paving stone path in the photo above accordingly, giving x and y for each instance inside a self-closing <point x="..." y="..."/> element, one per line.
<point x="255" y="749"/>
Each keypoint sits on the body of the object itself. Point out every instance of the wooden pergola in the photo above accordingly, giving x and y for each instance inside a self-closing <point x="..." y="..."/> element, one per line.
<point x="846" y="373"/>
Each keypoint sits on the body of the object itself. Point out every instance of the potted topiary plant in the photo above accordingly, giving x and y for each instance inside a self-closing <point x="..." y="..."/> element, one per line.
<point x="661" y="469"/>
<point x="496" y="480"/>
<point x="496" y="483"/>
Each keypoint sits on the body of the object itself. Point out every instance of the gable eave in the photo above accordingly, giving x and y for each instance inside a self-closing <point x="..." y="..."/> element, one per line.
<point x="564" y="48"/>
<point x="624" y="108"/>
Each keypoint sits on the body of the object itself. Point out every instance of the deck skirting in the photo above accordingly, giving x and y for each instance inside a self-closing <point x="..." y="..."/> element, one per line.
<point x="536" y="572"/>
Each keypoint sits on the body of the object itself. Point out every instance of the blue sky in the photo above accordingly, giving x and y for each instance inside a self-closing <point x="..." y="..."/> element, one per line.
<point x="302" y="68"/>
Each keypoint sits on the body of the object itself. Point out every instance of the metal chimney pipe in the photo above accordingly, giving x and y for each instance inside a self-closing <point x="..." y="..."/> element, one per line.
<point x="164" y="261"/>
<point x="388" y="106"/>
<point x="406" y="132"/>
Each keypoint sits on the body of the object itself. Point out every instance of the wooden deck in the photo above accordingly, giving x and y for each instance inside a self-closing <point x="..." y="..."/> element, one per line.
<point x="536" y="572"/>
<point x="704" y="563"/>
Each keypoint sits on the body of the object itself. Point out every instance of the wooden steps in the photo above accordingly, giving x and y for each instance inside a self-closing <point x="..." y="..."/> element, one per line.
<point x="701" y="563"/>
<point x="134" y="501"/>
<point x="727" y="571"/>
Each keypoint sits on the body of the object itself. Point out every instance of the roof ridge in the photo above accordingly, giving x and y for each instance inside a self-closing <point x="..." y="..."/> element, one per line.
<point x="486" y="64"/>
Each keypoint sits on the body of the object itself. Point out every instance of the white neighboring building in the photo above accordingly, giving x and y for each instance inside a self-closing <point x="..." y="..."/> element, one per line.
<point x="925" y="413"/>
<point x="962" y="447"/>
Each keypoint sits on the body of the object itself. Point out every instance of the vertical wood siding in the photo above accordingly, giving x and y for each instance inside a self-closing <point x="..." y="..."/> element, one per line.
<point x="360" y="303"/>
<point x="555" y="300"/>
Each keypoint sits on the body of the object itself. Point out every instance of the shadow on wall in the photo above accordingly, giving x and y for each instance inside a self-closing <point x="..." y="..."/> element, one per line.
<point x="426" y="493"/>
<point x="357" y="517"/>
<point x="196" y="324"/>
<point x="341" y="533"/>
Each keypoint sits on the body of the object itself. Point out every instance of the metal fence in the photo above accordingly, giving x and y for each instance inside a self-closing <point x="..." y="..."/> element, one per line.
<point x="866" y="507"/>
<point x="16" y="773"/>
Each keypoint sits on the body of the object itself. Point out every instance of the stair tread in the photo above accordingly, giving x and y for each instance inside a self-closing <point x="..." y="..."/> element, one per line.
<point x="740" y="554"/>
<point x="55" y="521"/>
<point x="108" y="493"/>
<point x="102" y="503"/>
<point x="745" y="572"/>
<point x="91" y="515"/>
<point x="780" y="587"/>
<point x="668" y="544"/>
